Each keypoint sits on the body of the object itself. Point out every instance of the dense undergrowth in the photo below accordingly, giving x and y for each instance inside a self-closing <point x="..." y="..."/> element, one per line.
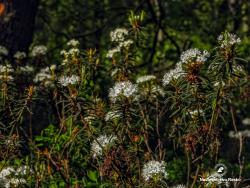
<point x="60" y="129"/>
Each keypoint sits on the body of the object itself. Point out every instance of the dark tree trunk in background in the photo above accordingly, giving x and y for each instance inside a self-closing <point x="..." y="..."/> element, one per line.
<point x="235" y="10"/>
<point x="17" y="24"/>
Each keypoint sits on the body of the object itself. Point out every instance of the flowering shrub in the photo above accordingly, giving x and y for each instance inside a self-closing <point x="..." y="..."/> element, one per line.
<point x="145" y="131"/>
<point x="38" y="51"/>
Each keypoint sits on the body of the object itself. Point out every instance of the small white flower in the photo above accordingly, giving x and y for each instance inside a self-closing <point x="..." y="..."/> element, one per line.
<point x="39" y="50"/>
<point x="227" y="40"/>
<point x="6" y="68"/>
<point x="102" y="142"/>
<point x="5" y="71"/>
<point x="69" y="80"/>
<point x="113" y="51"/>
<point x="246" y="121"/>
<point x="220" y="37"/>
<point x="65" y="61"/>
<point x="126" y="43"/>
<point x="27" y="69"/>
<point x="237" y="68"/>
<point x="146" y="78"/>
<point x="64" y="52"/>
<point x="23" y="170"/>
<point x="118" y="35"/>
<point x="244" y="133"/>
<point x="89" y="118"/>
<point x="3" y="51"/>
<point x="74" y="52"/>
<point x="20" y="55"/>
<point x="52" y="67"/>
<point x="195" y="113"/>
<point x="113" y="115"/>
<point x="73" y="43"/>
<point x="15" y="182"/>
<point x="154" y="169"/>
<point x="123" y="88"/>
<point x="218" y="83"/>
<point x="6" y="172"/>
<point x="194" y="55"/>
<point x="9" y="177"/>
<point x="172" y="74"/>
<point x="42" y="75"/>
<point x="45" y="76"/>
<point x="6" y="78"/>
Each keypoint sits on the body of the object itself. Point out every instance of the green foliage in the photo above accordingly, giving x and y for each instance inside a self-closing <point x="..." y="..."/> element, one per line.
<point x="109" y="127"/>
<point x="177" y="171"/>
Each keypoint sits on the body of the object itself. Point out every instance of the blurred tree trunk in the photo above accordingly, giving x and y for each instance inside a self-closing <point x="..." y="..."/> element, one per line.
<point x="17" y="20"/>
<point x="235" y="10"/>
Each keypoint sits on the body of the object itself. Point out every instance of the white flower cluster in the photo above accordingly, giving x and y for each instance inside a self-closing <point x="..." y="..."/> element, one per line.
<point x="195" y="113"/>
<point x="73" y="43"/>
<point x="194" y="55"/>
<point x="5" y="71"/>
<point x="113" y="115"/>
<point x="68" y="80"/>
<point x="52" y="67"/>
<point x="3" y="51"/>
<point x="72" y="53"/>
<point x="146" y="78"/>
<point x="126" y="43"/>
<point x="237" y="68"/>
<point x="188" y="56"/>
<point x="219" y="83"/>
<point x="118" y="35"/>
<point x="245" y="133"/>
<point x="102" y="142"/>
<point x="246" y="121"/>
<point x="27" y="69"/>
<point x="6" y="68"/>
<point x="227" y="40"/>
<point x="6" y="78"/>
<point x="113" y="51"/>
<point x="173" y="74"/>
<point x="45" y="75"/>
<point x="10" y="177"/>
<point x="123" y="44"/>
<point x="20" y="55"/>
<point x="11" y="143"/>
<point x="123" y="88"/>
<point x="39" y="50"/>
<point x="89" y="118"/>
<point x="154" y="169"/>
